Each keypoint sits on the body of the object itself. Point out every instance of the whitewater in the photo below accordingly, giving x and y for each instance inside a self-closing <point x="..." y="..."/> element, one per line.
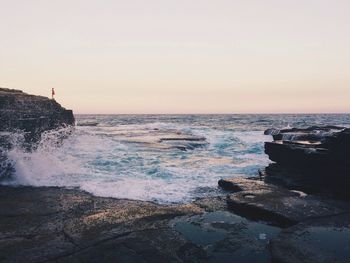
<point x="160" y="158"/>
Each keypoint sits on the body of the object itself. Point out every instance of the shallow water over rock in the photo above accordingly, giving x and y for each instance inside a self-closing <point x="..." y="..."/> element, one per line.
<point x="226" y="237"/>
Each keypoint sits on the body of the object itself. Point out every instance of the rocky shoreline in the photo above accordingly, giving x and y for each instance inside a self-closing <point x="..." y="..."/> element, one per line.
<point x="296" y="210"/>
<point x="256" y="221"/>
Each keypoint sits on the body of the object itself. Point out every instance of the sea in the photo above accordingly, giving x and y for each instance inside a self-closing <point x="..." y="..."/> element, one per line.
<point x="159" y="158"/>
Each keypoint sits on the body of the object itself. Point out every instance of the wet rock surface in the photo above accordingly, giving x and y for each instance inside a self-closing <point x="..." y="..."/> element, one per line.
<point x="319" y="240"/>
<point x="277" y="205"/>
<point x="226" y="237"/>
<point x="68" y="225"/>
<point x="62" y="225"/>
<point x="316" y="228"/>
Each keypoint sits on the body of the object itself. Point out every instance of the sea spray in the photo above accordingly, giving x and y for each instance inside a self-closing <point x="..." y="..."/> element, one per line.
<point x="126" y="156"/>
<point x="9" y="140"/>
<point x="34" y="163"/>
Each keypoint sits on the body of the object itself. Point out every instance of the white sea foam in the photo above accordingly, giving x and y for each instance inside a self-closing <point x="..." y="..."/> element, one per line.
<point x="103" y="161"/>
<point x="48" y="165"/>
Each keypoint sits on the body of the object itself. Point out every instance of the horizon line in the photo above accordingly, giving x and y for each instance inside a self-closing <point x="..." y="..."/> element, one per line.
<point x="251" y="113"/>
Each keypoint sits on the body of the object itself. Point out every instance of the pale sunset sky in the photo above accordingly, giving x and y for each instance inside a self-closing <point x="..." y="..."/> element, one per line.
<point x="180" y="56"/>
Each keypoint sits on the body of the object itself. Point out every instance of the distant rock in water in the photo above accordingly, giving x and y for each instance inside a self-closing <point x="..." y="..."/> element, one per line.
<point x="184" y="143"/>
<point x="31" y="114"/>
<point x="88" y="124"/>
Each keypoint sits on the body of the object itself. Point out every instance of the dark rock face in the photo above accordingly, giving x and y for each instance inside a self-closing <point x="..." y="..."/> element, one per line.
<point x="319" y="146"/>
<point x="318" y="154"/>
<point x="31" y="114"/>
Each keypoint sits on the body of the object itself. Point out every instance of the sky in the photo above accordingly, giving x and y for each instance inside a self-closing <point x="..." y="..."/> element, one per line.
<point x="180" y="56"/>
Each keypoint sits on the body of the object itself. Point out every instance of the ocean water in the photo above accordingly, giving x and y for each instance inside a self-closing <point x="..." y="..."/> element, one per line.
<point x="161" y="158"/>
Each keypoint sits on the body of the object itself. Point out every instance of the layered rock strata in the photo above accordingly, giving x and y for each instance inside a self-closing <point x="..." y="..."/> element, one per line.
<point x="315" y="158"/>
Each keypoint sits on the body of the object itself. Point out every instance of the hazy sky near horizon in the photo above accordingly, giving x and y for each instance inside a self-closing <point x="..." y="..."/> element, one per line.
<point x="180" y="56"/>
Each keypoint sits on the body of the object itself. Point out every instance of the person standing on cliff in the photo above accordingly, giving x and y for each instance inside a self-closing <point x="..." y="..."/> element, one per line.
<point x="53" y="93"/>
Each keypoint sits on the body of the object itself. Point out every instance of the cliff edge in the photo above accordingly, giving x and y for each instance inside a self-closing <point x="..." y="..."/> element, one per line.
<point x="31" y="114"/>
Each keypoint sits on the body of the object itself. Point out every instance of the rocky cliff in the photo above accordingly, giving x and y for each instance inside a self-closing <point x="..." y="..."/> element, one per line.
<point x="31" y="114"/>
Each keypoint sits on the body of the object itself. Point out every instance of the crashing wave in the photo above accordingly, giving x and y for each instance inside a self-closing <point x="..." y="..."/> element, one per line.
<point x="17" y="154"/>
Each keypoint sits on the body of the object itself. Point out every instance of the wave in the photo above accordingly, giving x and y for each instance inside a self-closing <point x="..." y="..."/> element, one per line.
<point x="105" y="161"/>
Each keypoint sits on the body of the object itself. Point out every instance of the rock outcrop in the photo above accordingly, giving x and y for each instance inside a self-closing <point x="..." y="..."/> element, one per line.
<point x="313" y="158"/>
<point x="314" y="146"/>
<point x="30" y="114"/>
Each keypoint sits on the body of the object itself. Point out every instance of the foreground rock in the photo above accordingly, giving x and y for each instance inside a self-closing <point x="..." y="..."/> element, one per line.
<point x="319" y="240"/>
<point x="259" y="200"/>
<point x="68" y="225"/>
<point x="53" y="224"/>
<point x="316" y="228"/>
<point x="62" y="225"/>
<point x="226" y="237"/>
